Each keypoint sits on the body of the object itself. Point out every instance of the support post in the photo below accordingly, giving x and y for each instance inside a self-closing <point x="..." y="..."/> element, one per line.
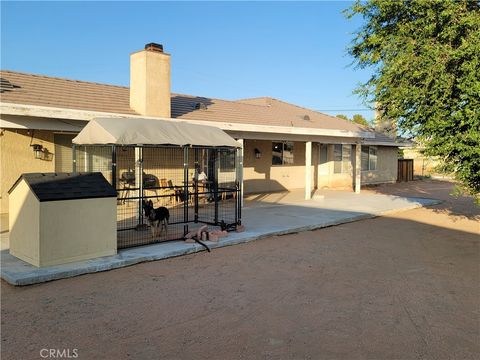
<point x="358" y="167"/>
<point x="139" y="181"/>
<point x="308" y="170"/>
<point x="216" y="167"/>
<point x="185" y="185"/>
<point x="196" y="167"/>
<point x="239" y="166"/>
<point x="114" y="167"/>
<point x="74" y="158"/>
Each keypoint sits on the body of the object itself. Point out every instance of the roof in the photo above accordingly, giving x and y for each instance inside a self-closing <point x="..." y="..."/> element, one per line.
<point x="42" y="90"/>
<point x="22" y="88"/>
<point x="135" y="131"/>
<point x="66" y="186"/>
<point x="30" y="89"/>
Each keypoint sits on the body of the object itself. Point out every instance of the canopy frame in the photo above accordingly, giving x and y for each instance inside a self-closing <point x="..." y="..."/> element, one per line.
<point x="163" y="174"/>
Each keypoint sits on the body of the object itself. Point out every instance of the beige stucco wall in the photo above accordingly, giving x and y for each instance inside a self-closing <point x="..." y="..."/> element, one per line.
<point x="58" y="232"/>
<point x="387" y="167"/>
<point x="17" y="157"/>
<point x="24" y="224"/>
<point x="422" y="165"/>
<point x="259" y="175"/>
<point x="73" y="230"/>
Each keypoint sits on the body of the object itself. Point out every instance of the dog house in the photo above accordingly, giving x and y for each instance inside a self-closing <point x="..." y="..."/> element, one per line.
<point x="191" y="170"/>
<point x="57" y="218"/>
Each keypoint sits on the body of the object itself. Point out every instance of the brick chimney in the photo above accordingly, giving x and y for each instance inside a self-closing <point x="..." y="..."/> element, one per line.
<point x="150" y="81"/>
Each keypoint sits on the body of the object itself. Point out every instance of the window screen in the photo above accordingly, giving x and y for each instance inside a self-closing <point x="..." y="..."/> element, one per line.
<point x="365" y="158"/>
<point x="323" y="154"/>
<point x="369" y="158"/>
<point x="342" y="156"/>
<point x="63" y="152"/>
<point x="346" y="158"/>
<point x="372" y="158"/>
<point x="337" y="158"/>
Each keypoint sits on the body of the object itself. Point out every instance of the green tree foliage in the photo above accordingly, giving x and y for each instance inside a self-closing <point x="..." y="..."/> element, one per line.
<point x="359" y="119"/>
<point x="425" y="57"/>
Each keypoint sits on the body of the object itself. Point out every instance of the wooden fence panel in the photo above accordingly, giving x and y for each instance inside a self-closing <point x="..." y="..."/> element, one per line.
<point x="405" y="170"/>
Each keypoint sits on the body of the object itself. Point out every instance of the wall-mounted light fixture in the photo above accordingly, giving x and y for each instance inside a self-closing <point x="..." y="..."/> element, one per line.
<point x="258" y="154"/>
<point x="37" y="151"/>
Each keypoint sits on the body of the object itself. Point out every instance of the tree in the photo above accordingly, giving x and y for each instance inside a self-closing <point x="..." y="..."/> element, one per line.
<point x="359" y="119"/>
<point x="425" y="58"/>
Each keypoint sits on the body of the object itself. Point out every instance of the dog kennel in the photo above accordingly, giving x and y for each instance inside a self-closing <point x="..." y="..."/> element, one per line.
<point x="192" y="170"/>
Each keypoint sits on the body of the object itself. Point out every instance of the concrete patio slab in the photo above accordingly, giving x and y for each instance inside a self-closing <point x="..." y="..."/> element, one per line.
<point x="263" y="218"/>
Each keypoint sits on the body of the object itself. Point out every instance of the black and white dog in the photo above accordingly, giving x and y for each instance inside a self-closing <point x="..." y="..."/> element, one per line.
<point x="157" y="218"/>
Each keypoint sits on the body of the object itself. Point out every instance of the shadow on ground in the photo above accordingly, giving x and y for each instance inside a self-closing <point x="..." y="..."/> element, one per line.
<point x="402" y="286"/>
<point x="457" y="206"/>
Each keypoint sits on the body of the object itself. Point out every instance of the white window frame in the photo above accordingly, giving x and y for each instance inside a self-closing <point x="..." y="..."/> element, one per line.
<point x="346" y="158"/>
<point x="372" y="158"/>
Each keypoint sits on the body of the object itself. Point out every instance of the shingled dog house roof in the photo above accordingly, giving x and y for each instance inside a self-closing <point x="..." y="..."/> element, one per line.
<point x="66" y="186"/>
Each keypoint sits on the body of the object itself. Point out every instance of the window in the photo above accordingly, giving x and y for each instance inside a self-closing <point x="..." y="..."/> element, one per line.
<point x="372" y="160"/>
<point x="365" y="158"/>
<point x="342" y="155"/>
<point x="63" y="152"/>
<point x="369" y="158"/>
<point x="282" y="153"/>
<point x="323" y="154"/>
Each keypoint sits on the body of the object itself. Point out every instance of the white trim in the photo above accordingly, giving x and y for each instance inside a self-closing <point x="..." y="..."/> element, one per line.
<point x="380" y="143"/>
<point x="308" y="170"/>
<point x="86" y="115"/>
<point x="40" y="123"/>
<point x="358" y="168"/>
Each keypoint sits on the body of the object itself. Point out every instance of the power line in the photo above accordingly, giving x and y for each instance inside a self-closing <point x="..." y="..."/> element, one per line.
<point x="344" y="110"/>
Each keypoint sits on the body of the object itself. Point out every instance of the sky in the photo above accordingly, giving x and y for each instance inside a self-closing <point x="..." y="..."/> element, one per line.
<point x="293" y="51"/>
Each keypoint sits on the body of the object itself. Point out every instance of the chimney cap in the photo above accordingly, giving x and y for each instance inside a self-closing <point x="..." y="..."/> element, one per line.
<point x="154" y="47"/>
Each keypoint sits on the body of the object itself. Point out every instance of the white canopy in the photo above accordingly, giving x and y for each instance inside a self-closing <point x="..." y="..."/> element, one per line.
<point x="137" y="131"/>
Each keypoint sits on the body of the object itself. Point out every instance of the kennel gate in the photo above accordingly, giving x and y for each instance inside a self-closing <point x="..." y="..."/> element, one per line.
<point x="170" y="176"/>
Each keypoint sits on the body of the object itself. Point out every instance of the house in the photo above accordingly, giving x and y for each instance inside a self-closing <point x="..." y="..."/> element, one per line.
<point x="285" y="146"/>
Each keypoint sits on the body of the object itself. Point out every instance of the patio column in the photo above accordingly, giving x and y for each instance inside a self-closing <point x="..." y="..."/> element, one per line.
<point x="308" y="170"/>
<point x="358" y="167"/>
<point x="240" y="168"/>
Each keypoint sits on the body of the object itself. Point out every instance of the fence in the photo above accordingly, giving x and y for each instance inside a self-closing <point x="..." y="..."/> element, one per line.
<point x="405" y="170"/>
<point x="198" y="185"/>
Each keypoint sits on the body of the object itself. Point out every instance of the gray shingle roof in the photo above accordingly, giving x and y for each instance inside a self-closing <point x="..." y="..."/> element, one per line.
<point x="67" y="186"/>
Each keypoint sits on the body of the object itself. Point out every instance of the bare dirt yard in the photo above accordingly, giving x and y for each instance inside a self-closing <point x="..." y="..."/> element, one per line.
<point x="403" y="286"/>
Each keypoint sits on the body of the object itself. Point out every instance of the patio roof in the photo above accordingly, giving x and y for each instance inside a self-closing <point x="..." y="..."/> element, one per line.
<point x="138" y="131"/>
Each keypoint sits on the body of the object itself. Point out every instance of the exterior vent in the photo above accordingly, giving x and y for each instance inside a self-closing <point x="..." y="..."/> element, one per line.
<point x="306" y="117"/>
<point x="200" y="106"/>
<point x="6" y="85"/>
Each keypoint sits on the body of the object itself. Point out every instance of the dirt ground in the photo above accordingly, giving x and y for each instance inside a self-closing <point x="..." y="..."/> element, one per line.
<point x="405" y="286"/>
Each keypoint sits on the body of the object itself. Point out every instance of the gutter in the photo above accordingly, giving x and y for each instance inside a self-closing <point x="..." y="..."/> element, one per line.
<point x="87" y="115"/>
